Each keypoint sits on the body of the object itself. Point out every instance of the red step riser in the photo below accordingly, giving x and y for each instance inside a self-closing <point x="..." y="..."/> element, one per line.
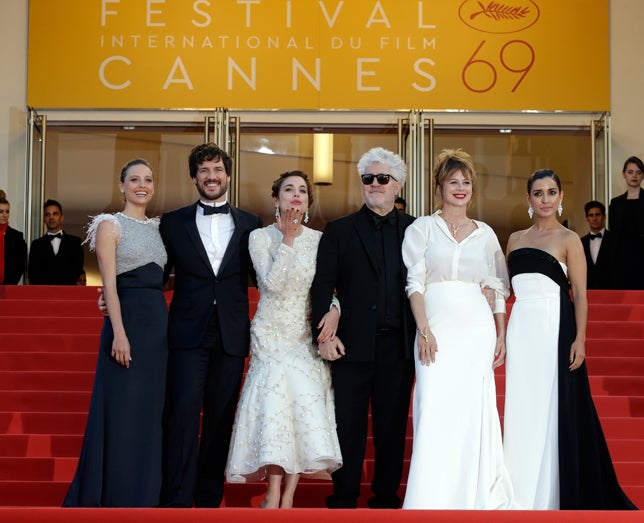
<point x="40" y="445"/>
<point x="310" y="495"/>
<point x="53" y="343"/>
<point x="49" y="325"/>
<point x="63" y="361"/>
<point x="44" y="308"/>
<point x="47" y="381"/>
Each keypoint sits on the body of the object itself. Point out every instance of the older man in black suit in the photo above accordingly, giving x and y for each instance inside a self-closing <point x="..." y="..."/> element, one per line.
<point x="56" y="258"/>
<point x="359" y="256"/>
<point x="597" y="247"/>
<point x="208" y="330"/>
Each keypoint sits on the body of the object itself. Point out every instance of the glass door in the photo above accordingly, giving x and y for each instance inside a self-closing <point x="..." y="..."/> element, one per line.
<point x="600" y="140"/>
<point x="36" y="139"/>
<point x="223" y="129"/>
<point x="416" y="146"/>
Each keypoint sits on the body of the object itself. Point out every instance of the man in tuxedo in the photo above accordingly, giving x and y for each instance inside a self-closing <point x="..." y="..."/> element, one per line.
<point x="208" y="330"/>
<point x="57" y="257"/>
<point x="359" y="256"/>
<point x="597" y="244"/>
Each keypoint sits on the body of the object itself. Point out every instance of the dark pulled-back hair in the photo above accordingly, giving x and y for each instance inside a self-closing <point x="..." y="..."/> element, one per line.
<point x="540" y="175"/>
<point x="205" y="153"/>
<point x="277" y="184"/>
<point x="636" y="161"/>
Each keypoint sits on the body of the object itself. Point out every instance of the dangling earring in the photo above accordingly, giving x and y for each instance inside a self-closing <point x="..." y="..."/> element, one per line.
<point x="530" y="211"/>
<point x="277" y="212"/>
<point x="306" y="217"/>
<point x="560" y="209"/>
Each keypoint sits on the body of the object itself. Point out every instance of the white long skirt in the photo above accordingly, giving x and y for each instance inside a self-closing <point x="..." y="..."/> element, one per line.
<point x="457" y="460"/>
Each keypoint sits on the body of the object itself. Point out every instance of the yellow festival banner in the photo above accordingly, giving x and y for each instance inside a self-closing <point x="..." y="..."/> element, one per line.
<point x="480" y="55"/>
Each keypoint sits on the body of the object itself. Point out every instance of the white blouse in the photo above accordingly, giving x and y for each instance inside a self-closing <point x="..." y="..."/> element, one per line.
<point x="433" y="255"/>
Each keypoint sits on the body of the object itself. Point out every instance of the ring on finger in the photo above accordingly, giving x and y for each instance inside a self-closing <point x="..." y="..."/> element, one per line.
<point x="296" y="221"/>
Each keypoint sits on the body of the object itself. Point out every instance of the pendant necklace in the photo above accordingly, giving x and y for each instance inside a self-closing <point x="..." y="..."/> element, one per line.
<point x="456" y="228"/>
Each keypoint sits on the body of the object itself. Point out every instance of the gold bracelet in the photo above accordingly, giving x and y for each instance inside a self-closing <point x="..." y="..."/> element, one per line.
<point x="424" y="334"/>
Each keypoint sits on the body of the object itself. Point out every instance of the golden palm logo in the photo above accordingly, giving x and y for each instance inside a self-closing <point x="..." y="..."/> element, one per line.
<point x="499" y="17"/>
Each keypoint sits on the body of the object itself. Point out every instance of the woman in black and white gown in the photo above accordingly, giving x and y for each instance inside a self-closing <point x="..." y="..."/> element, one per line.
<point x="555" y="450"/>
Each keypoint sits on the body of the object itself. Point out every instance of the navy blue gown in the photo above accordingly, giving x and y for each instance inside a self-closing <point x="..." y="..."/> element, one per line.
<point x="121" y="457"/>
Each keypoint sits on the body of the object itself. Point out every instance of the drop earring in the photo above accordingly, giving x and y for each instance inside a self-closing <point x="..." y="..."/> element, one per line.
<point x="560" y="209"/>
<point x="530" y="211"/>
<point x="306" y="217"/>
<point x="277" y="212"/>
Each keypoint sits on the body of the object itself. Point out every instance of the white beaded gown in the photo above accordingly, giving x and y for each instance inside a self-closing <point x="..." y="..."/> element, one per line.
<point x="285" y="414"/>
<point x="457" y="457"/>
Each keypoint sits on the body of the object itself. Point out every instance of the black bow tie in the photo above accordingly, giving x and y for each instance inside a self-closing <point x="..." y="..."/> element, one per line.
<point x="57" y="235"/>
<point x="593" y="236"/>
<point x="211" y="209"/>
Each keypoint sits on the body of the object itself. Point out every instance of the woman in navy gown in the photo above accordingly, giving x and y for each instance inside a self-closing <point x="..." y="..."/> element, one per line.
<point x="555" y="450"/>
<point x="121" y="457"/>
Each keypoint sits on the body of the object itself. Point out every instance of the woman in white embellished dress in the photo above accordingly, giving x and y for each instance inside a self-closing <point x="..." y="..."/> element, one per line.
<point x="121" y="456"/>
<point x="453" y="262"/>
<point x="555" y="449"/>
<point x="285" y="420"/>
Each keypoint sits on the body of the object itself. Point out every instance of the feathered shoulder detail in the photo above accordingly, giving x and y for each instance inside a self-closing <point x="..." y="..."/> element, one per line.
<point x="92" y="227"/>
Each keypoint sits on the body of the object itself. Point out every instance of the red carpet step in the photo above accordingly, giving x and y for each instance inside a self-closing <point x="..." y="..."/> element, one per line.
<point x="48" y="355"/>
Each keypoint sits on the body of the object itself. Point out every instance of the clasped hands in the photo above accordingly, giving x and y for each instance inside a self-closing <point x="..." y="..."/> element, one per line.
<point x="329" y="345"/>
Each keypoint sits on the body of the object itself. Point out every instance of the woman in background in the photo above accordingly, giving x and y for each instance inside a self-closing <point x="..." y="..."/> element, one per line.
<point x="555" y="450"/>
<point x="13" y="249"/>
<point x="626" y="215"/>
<point x="285" y="421"/>
<point x="121" y="457"/>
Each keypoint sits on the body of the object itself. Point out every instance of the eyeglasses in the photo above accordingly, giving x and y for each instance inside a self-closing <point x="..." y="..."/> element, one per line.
<point x="383" y="179"/>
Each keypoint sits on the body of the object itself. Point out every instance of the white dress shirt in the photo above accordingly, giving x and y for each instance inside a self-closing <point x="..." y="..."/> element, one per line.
<point x="595" y="244"/>
<point x="215" y="231"/>
<point x="55" y="243"/>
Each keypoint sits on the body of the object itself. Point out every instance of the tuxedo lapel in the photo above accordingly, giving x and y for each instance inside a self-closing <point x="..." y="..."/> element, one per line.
<point x="585" y="241"/>
<point x="190" y="225"/>
<point x="233" y="244"/>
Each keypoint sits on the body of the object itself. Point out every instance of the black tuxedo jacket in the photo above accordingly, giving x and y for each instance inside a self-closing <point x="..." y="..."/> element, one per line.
<point x="345" y="263"/>
<point x="15" y="256"/>
<point x="196" y="286"/>
<point x="599" y="273"/>
<point x="47" y="268"/>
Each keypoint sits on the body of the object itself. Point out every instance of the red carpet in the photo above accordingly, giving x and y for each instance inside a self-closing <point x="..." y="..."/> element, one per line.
<point x="47" y="359"/>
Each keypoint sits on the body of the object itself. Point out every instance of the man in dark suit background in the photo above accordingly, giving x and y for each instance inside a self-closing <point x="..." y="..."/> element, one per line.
<point x="359" y="256"/>
<point x="597" y="245"/>
<point x="56" y="258"/>
<point x="208" y="330"/>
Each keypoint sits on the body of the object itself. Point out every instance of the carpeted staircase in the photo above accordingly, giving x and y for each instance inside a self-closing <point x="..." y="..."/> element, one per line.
<point x="48" y="343"/>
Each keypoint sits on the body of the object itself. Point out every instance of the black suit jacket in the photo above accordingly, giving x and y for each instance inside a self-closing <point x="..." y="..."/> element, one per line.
<point x="15" y="256"/>
<point x="47" y="268"/>
<point x="345" y="263"/>
<point x="599" y="272"/>
<point x="196" y="287"/>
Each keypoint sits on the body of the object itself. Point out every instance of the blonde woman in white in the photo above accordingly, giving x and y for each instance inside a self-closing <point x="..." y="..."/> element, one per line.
<point x="457" y="459"/>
